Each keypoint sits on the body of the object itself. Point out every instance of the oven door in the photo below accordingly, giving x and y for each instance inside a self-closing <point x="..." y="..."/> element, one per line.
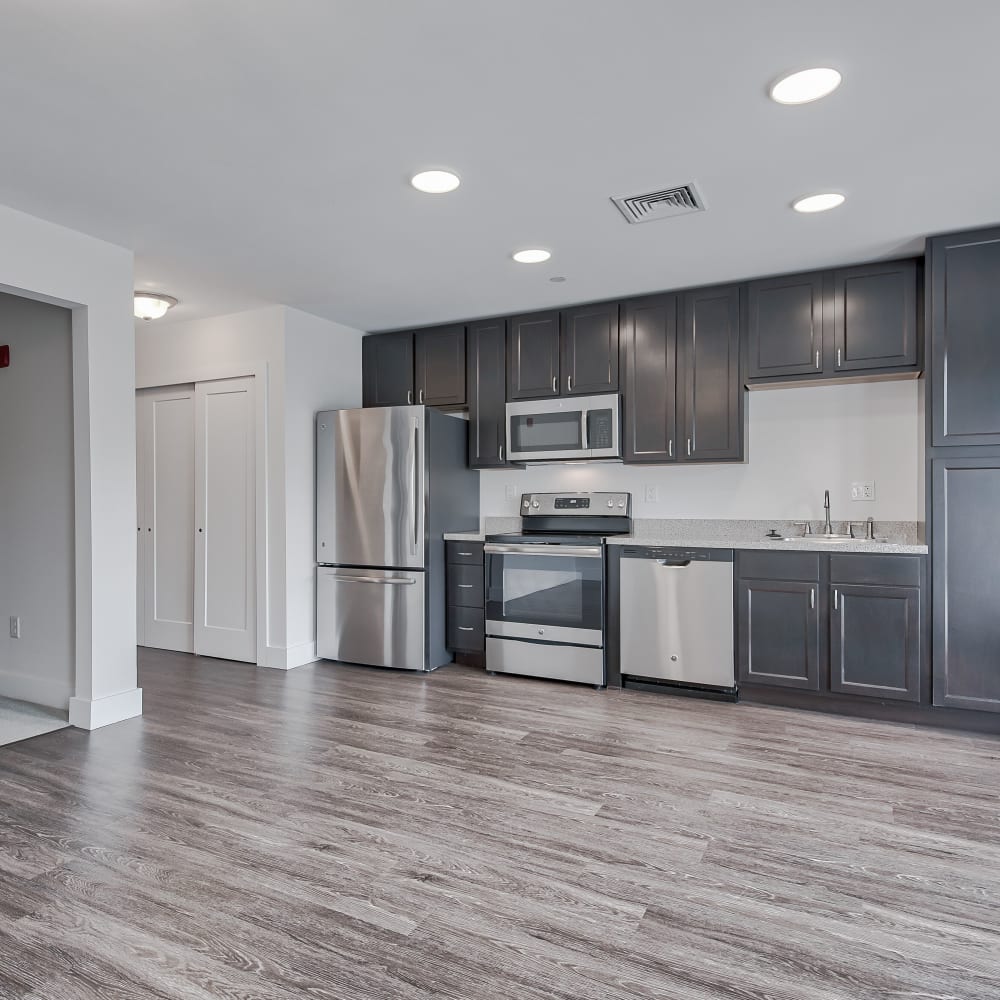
<point x="581" y="427"/>
<point x="549" y="593"/>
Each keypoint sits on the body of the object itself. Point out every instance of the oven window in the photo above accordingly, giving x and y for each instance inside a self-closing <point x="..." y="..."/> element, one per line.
<point x="546" y="590"/>
<point x="546" y="432"/>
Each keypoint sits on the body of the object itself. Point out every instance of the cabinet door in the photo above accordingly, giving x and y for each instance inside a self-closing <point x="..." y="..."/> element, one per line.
<point x="785" y="326"/>
<point x="387" y="369"/>
<point x="709" y="371"/>
<point x="964" y="277"/>
<point x="965" y="543"/>
<point x="533" y="356"/>
<point x="875" y="316"/>
<point x="589" y="337"/>
<point x="487" y="386"/>
<point x="875" y="641"/>
<point x="779" y="633"/>
<point x="439" y="366"/>
<point x="649" y="379"/>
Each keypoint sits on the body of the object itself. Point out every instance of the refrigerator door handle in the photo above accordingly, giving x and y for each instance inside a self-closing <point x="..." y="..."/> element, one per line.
<point x="416" y="483"/>
<point x="385" y="581"/>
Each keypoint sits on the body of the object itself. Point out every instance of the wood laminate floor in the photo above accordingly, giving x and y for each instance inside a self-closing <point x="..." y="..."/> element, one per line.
<point x="344" y="833"/>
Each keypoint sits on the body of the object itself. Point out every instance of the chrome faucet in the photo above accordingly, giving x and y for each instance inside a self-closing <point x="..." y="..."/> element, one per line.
<point x="827" y="526"/>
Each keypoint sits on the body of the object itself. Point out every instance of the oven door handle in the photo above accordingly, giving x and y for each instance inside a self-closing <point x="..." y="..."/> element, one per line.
<point x="576" y="551"/>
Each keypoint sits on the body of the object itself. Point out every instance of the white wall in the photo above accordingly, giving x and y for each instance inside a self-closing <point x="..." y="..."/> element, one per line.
<point x="36" y="502"/>
<point x="323" y="372"/>
<point x="47" y="262"/>
<point x="800" y="442"/>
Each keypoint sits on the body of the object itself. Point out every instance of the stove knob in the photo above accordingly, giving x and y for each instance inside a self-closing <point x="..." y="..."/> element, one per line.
<point x="535" y="503"/>
<point x="621" y="503"/>
<point x="611" y="503"/>
<point x="527" y="503"/>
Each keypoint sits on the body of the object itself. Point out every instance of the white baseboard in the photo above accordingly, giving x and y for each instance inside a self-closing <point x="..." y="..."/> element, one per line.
<point x="37" y="690"/>
<point x="86" y="713"/>
<point x="288" y="658"/>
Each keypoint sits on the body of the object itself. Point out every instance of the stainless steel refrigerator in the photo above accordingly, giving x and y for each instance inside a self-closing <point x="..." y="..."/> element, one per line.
<point x="389" y="482"/>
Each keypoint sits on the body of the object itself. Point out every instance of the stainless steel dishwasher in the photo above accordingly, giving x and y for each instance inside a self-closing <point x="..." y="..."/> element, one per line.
<point x="677" y="610"/>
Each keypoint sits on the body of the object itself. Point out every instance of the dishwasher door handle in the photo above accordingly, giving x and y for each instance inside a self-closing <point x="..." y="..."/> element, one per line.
<point x="666" y="564"/>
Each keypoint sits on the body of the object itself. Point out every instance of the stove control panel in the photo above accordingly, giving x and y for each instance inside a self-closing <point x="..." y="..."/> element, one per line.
<point x="568" y="504"/>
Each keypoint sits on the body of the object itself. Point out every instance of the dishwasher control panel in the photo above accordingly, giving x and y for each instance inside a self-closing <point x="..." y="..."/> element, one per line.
<point x="675" y="554"/>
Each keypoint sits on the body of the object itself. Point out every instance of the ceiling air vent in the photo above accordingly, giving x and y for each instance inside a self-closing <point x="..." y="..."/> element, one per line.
<point x="660" y="204"/>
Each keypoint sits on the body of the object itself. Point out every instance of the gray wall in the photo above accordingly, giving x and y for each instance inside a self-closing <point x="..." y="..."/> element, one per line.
<point x="36" y="502"/>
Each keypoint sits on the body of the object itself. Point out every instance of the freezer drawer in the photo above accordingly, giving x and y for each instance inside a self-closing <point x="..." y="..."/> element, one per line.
<point x="677" y="618"/>
<point x="371" y="616"/>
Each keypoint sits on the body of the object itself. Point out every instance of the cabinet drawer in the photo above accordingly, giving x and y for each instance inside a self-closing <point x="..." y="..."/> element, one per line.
<point x="889" y="571"/>
<point x="467" y="629"/>
<point x="465" y="586"/>
<point x="779" y="565"/>
<point x="469" y="553"/>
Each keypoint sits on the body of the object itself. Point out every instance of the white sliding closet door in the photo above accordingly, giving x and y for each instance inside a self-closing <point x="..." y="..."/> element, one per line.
<point x="225" y="577"/>
<point x="165" y="420"/>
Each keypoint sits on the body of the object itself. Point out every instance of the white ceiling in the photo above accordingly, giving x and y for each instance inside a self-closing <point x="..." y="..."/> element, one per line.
<point x="254" y="152"/>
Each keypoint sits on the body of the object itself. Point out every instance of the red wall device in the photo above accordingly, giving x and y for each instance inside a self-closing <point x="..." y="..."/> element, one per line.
<point x="4" y="356"/>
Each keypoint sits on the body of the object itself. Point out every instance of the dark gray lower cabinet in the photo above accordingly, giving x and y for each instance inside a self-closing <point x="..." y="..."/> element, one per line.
<point x="466" y="617"/>
<point x="966" y="586"/>
<point x="779" y="633"/>
<point x="875" y="641"/>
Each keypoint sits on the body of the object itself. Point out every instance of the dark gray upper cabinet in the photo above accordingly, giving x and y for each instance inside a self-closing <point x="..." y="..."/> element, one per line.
<point x="487" y="388"/>
<point x="965" y="542"/>
<point x="439" y="366"/>
<point x="709" y="373"/>
<point x="778" y="633"/>
<point x="785" y="326"/>
<point x="964" y="311"/>
<point x="387" y="369"/>
<point x="533" y="356"/>
<point x="589" y="337"/>
<point x="649" y="379"/>
<point x="875" y="640"/>
<point x="875" y="316"/>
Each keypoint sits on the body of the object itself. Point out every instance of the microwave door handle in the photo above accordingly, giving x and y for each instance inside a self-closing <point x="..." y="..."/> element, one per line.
<point x="585" y="429"/>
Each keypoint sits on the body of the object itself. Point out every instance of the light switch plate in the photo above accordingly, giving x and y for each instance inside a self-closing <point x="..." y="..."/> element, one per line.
<point x="650" y="494"/>
<point x="863" y="490"/>
<point x="15" y="627"/>
<point x="510" y="491"/>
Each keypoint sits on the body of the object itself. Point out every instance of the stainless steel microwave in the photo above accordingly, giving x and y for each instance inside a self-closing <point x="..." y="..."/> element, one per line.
<point x="574" y="428"/>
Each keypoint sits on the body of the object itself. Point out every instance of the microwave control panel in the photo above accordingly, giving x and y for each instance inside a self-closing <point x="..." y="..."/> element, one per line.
<point x="600" y="429"/>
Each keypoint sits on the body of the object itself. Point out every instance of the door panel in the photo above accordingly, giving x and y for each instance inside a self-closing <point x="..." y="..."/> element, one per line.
<point x="439" y="366"/>
<point x="649" y="367"/>
<point x="533" y="356"/>
<point x="589" y="337"/>
<point x="875" y="641"/>
<point x="785" y="326"/>
<point x="370" y="478"/>
<point x="487" y="388"/>
<point x="369" y="616"/>
<point x="165" y="435"/>
<point x="965" y="338"/>
<point x="387" y="369"/>
<point x="875" y="316"/>
<point x="709" y="370"/>
<point x="966" y="586"/>
<point x="779" y="633"/>
<point x="225" y="540"/>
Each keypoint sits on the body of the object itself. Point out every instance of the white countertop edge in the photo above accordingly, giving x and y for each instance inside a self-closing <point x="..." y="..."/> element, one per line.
<point x="465" y="536"/>
<point x="803" y="545"/>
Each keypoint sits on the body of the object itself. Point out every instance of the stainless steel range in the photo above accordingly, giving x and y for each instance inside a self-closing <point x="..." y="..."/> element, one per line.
<point x="545" y="592"/>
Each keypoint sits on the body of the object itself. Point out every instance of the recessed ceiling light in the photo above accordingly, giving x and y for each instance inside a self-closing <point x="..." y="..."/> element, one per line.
<point x="806" y="85"/>
<point x="435" y="181"/>
<point x="151" y="305"/>
<point x="818" y="202"/>
<point x="532" y="256"/>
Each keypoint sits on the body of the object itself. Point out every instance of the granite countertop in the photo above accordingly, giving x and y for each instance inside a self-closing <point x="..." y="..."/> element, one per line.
<point x="891" y="537"/>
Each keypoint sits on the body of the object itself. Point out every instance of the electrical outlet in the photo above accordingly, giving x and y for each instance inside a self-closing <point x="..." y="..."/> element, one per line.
<point x="863" y="491"/>
<point x="510" y="491"/>
<point x="650" y="494"/>
<point x="15" y="627"/>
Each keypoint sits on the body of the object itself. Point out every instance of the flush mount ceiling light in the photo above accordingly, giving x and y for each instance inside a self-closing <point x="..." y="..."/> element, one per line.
<point x="152" y="305"/>
<point x="818" y="202"/>
<point x="533" y="255"/>
<point x="806" y="85"/>
<point x="435" y="181"/>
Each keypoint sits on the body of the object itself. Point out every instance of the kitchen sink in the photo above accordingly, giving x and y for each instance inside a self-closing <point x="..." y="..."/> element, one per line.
<point x="823" y="539"/>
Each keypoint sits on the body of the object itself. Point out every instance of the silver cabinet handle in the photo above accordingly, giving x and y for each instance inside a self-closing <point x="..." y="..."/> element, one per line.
<point x="409" y="396"/>
<point x="465" y="553"/>
<point x="466" y="628"/>
<point x="466" y="586"/>
<point x="689" y="446"/>
<point x="670" y="448"/>
<point x="501" y="453"/>
<point x="569" y="383"/>
<point x="836" y="598"/>
<point x="385" y="581"/>
<point x="838" y="357"/>
<point x="812" y="598"/>
<point x="555" y="383"/>
<point x="545" y="550"/>
<point x="420" y="396"/>
<point x="817" y="361"/>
